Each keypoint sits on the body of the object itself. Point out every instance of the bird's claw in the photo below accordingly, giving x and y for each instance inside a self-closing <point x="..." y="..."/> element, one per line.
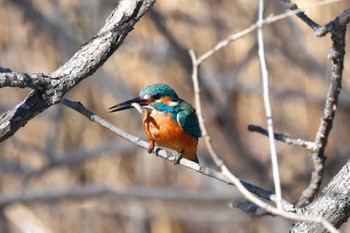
<point x="178" y="158"/>
<point x="150" y="147"/>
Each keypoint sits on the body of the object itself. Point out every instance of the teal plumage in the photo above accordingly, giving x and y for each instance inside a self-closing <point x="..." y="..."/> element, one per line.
<point x="183" y="112"/>
<point x="167" y="120"/>
<point x="188" y="120"/>
<point x="161" y="90"/>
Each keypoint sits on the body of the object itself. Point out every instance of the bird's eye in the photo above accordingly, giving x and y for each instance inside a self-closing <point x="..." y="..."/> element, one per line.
<point x="146" y="97"/>
<point x="156" y="97"/>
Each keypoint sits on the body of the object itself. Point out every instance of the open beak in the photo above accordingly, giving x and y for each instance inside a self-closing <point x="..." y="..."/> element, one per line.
<point x="128" y="104"/>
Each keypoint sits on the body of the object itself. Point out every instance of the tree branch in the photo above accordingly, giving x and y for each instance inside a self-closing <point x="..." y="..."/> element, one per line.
<point x="332" y="203"/>
<point x="227" y="174"/>
<point x="32" y="80"/>
<point x="309" y="145"/>
<point x="268" y="195"/>
<point x="85" y="62"/>
<point x="292" y="6"/>
<point x="267" y="106"/>
<point x="342" y="20"/>
<point x="337" y="56"/>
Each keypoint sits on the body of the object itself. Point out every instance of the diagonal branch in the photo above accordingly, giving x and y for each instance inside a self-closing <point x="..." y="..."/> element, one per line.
<point x="85" y="62"/>
<point x="16" y="79"/>
<point x="332" y="203"/>
<point x="337" y="56"/>
<point x="265" y="194"/>
<point x="294" y="7"/>
<point x="283" y="138"/>
<point x="227" y="174"/>
<point x="342" y="20"/>
<point x="337" y="28"/>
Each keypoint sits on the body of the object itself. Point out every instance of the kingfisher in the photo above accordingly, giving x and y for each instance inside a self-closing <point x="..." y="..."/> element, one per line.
<point x="167" y="120"/>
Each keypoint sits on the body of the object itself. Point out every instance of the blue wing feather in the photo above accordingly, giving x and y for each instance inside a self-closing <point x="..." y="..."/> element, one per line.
<point x="188" y="120"/>
<point x="184" y="114"/>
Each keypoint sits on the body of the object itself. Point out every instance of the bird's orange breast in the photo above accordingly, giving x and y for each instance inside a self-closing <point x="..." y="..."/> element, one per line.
<point x="166" y="132"/>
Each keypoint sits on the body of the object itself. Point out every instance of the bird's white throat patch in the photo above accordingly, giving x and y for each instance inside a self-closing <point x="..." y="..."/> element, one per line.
<point x="150" y="109"/>
<point x="173" y="103"/>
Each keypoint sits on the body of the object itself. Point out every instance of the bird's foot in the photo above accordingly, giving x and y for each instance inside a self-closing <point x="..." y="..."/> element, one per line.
<point x="150" y="147"/>
<point x="178" y="158"/>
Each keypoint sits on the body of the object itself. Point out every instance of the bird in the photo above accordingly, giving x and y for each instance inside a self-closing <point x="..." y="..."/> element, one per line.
<point x="168" y="120"/>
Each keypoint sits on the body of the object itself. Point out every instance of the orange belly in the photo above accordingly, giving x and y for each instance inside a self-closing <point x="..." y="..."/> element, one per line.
<point x="168" y="133"/>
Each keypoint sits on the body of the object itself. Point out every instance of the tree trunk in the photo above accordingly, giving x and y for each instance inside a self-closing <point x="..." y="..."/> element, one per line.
<point x="333" y="203"/>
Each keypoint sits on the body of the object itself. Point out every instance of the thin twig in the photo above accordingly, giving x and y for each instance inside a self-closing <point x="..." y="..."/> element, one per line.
<point x="196" y="62"/>
<point x="233" y="179"/>
<point x="292" y="6"/>
<point x="342" y="20"/>
<point x="337" y="29"/>
<point x="80" y="66"/>
<point x="336" y="55"/>
<point x="267" y="20"/>
<point x="267" y="105"/>
<point x="309" y="145"/>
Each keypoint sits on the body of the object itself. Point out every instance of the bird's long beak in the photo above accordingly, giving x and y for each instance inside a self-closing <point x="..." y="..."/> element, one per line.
<point x="128" y="104"/>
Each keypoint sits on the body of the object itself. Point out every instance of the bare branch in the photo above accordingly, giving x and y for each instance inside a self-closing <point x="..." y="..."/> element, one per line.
<point x="332" y="203"/>
<point x="248" y="207"/>
<point x="337" y="57"/>
<point x="251" y="198"/>
<point x="231" y="178"/>
<point x="267" y="105"/>
<point x="342" y="20"/>
<point x="292" y="6"/>
<point x="268" y="195"/>
<point x="284" y="138"/>
<point x="85" y="62"/>
<point x="253" y="27"/>
<point x="23" y="80"/>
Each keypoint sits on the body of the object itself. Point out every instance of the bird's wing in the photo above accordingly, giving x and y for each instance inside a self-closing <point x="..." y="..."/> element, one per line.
<point x="188" y="120"/>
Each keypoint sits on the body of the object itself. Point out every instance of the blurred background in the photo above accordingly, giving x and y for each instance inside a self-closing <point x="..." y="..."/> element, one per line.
<point x="60" y="150"/>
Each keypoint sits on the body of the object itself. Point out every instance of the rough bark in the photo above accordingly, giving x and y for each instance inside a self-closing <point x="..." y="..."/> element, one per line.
<point x="333" y="203"/>
<point x="85" y="62"/>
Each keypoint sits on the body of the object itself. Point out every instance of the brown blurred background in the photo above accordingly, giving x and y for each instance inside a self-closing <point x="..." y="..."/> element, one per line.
<point x="39" y="36"/>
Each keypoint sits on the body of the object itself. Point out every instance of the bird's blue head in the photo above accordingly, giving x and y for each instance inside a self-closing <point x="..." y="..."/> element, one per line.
<point x="158" y="91"/>
<point x="155" y="93"/>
